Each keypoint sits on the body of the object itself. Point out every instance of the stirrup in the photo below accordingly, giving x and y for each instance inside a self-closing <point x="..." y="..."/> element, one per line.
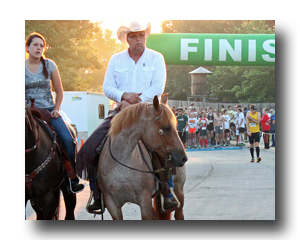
<point x="70" y="186"/>
<point x="96" y="212"/>
<point x="162" y="202"/>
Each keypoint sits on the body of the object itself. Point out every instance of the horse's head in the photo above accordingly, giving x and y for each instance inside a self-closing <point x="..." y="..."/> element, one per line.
<point x="161" y="132"/>
<point x="155" y="125"/>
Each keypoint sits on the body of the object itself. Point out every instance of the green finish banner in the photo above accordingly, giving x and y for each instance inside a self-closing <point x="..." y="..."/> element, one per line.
<point x="215" y="49"/>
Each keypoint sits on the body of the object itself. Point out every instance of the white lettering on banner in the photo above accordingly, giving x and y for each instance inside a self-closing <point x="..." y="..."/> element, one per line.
<point x="208" y="49"/>
<point x="185" y="49"/>
<point x="252" y="50"/>
<point x="270" y="49"/>
<point x="236" y="53"/>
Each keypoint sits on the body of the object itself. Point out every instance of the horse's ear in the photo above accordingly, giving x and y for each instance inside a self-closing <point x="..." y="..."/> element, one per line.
<point x="156" y="104"/>
<point x="164" y="98"/>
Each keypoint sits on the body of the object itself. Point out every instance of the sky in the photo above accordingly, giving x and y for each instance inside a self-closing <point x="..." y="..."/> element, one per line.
<point x="113" y="25"/>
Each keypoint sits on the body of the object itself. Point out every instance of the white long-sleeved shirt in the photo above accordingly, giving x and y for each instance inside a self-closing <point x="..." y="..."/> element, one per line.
<point x="147" y="76"/>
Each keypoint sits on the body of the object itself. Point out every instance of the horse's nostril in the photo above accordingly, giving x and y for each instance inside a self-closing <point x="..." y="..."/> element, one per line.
<point x="184" y="159"/>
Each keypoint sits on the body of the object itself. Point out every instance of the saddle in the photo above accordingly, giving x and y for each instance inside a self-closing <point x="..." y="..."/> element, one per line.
<point x="40" y="113"/>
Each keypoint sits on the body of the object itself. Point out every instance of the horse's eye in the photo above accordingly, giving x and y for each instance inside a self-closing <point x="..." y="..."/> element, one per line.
<point x="168" y="129"/>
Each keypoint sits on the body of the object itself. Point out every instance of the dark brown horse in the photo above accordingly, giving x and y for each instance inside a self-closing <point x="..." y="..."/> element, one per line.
<point x="44" y="172"/>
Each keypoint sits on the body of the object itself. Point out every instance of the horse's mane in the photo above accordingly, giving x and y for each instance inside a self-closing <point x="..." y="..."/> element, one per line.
<point x="127" y="117"/>
<point x="132" y="114"/>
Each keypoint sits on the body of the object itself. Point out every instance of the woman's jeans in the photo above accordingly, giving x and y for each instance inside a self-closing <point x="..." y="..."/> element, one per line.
<point x="64" y="134"/>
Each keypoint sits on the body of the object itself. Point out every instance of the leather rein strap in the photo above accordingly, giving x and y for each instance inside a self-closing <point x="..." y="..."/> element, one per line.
<point x="38" y="138"/>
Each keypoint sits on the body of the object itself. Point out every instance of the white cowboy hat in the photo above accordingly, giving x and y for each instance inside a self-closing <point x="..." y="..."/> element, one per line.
<point x="133" y="27"/>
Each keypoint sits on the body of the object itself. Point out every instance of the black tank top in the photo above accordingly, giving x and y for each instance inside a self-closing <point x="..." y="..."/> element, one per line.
<point x="210" y="119"/>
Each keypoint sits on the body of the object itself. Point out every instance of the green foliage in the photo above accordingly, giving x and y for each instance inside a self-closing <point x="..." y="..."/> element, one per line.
<point x="242" y="84"/>
<point x="226" y="84"/>
<point x="200" y="26"/>
<point x="178" y="84"/>
<point x="256" y="27"/>
<point x="105" y="46"/>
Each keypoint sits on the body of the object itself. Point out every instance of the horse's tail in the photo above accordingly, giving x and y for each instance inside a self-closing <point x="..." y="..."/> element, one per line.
<point x="161" y="216"/>
<point x="57" y="205"/>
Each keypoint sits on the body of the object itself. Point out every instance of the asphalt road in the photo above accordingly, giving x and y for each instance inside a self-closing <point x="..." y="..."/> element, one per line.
<point x="221" y="185"/>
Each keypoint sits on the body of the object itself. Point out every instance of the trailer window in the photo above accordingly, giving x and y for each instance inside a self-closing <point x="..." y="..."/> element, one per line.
<point x="101" y="111"/>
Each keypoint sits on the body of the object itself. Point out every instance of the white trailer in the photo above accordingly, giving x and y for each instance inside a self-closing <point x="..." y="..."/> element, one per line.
<point x="86" y="110"/>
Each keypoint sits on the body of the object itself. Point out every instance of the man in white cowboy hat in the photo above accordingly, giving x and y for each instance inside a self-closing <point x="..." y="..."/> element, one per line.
<point x="136" y="74"/>
<point x="132" y="76"/>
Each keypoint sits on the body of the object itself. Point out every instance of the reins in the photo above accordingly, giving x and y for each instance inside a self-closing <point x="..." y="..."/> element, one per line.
<point x="36" y="143"/>
<point x="38" y="137"/>
<point x="135" y="169"/>
<point x="168" y="157"/>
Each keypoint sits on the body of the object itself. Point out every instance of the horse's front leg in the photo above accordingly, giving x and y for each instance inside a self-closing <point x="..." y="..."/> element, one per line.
<point x="114" y="210"/>
<point x="179" y="212"/>
<point x="179" y="181"/>
<point x="147" y="211"/>
<point x="70" y="202"/>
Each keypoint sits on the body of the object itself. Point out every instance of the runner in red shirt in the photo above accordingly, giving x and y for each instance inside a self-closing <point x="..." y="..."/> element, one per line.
<point x="265" y="126"/>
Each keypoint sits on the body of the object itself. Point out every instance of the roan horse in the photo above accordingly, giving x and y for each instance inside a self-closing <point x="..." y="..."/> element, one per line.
<point x="123" y="175"/>
<point x="44" y="172"/>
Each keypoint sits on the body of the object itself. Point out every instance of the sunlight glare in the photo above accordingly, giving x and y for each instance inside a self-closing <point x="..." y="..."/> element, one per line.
<point x="114" y="25"/>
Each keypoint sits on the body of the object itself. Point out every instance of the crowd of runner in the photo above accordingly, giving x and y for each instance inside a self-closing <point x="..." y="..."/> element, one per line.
<point x="207" y="127"/>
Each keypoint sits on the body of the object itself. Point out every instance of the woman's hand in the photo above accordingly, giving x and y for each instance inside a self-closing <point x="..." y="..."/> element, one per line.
<point x="55" y="114"/>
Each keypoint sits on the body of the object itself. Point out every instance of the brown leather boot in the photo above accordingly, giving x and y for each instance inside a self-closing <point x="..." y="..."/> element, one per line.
<point x="169" y="204"/>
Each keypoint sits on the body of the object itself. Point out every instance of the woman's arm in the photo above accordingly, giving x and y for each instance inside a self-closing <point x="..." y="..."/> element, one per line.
<point x="58" y="88"/>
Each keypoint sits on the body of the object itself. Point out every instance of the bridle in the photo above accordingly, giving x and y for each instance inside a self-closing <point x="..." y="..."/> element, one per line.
<point x="163" y="137"/>
<point x="161" y="133"/>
